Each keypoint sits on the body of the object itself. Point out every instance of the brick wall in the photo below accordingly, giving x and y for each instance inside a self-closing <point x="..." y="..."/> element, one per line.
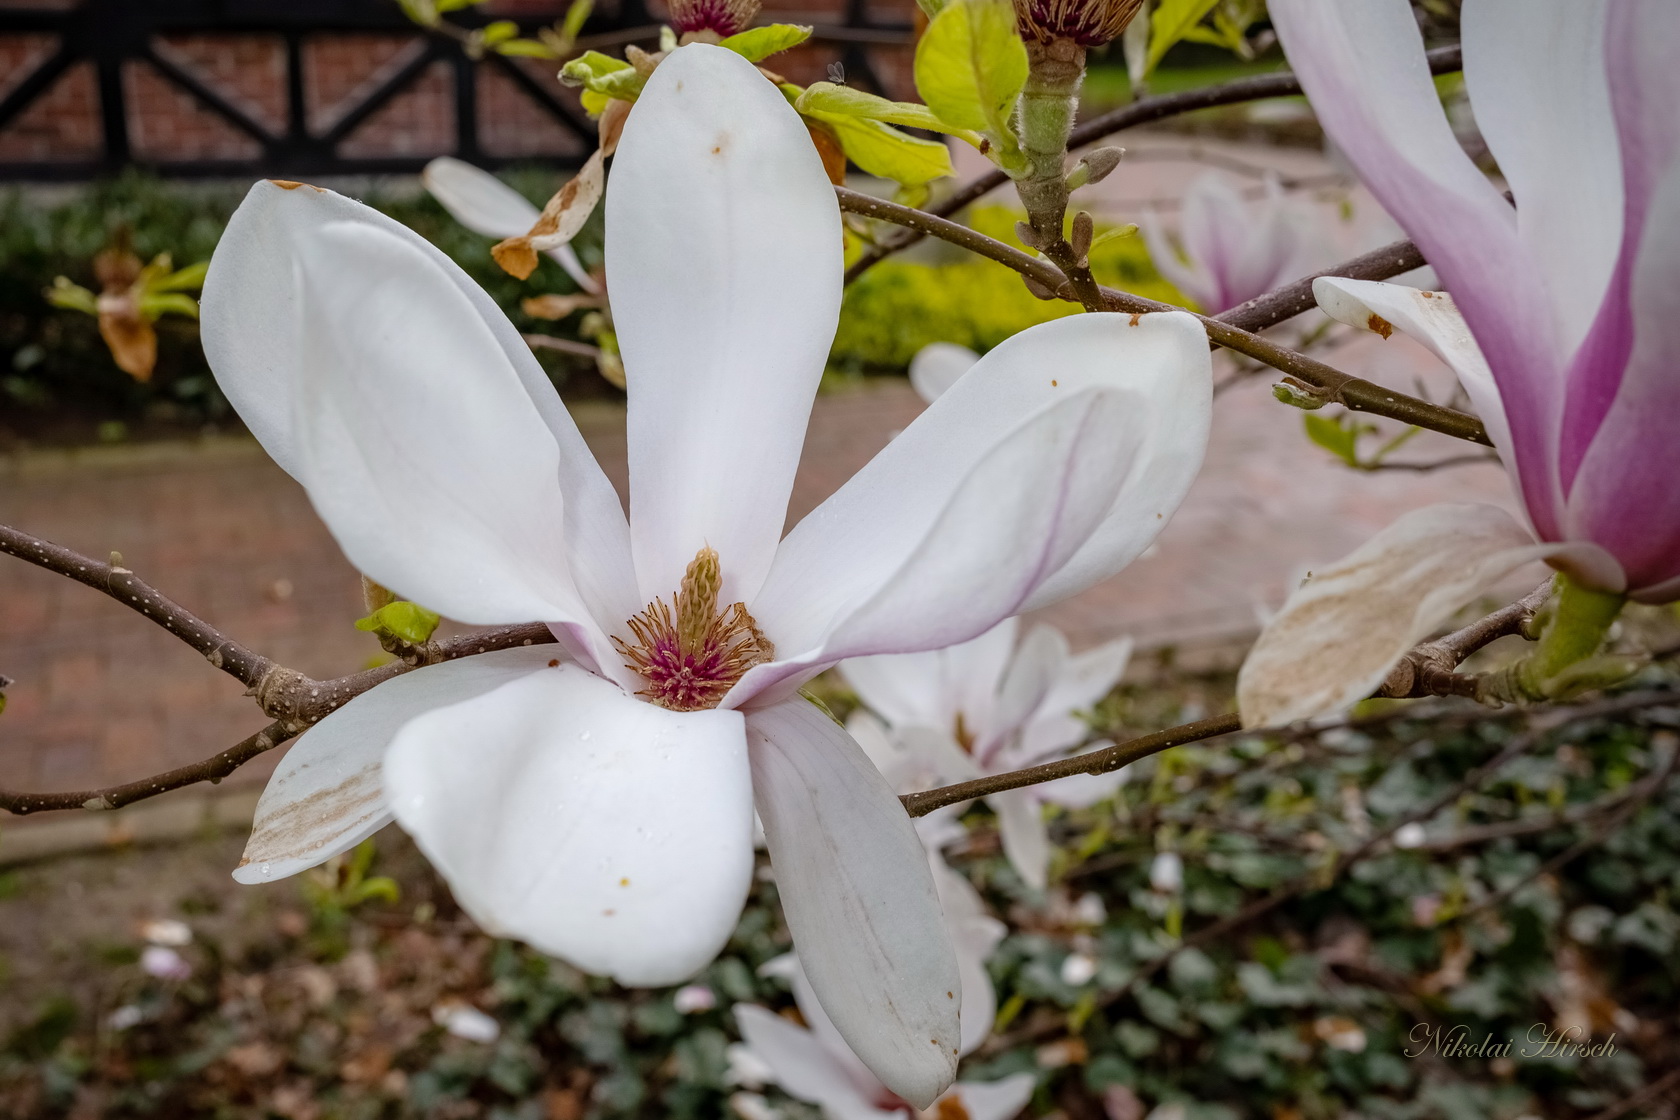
<point x="59" y="133"/>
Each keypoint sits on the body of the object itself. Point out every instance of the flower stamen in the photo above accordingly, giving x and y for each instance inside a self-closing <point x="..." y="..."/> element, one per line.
<point x="692" y="656"/>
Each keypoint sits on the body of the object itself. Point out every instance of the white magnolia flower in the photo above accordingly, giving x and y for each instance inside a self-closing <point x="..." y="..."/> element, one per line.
<point x="488" y="206"/>
<point x="596" y="798"/>
<point x="1230" y="250"/>
<point x="1166" y="872"/>
<point x="814" y="1063"/>
<point x="985" y="707"/>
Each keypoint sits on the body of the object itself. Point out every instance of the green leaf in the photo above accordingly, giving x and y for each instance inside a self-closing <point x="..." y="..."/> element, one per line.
<point x="499" y="32"/>
<point x="409" y="621"/>
<point x="156" y="303"/>
<point x="525" y="48"/>
<point x="825" y="99"/>
<point x="971" y="65"/>
<point x="603" y="74"/>
<point x="884" y="151"/>
<point x="1172" y="21"/>
<point x="1337" y="435"/>
<point x="762" y="42"/>
<point x="71" y="297"/>
<point x="576" y="16"/>
<point x="188" y="279"/>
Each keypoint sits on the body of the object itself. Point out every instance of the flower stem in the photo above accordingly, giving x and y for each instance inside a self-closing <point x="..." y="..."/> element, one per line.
<point x="1565" y="660"/>
<point x="1049" y="102"/>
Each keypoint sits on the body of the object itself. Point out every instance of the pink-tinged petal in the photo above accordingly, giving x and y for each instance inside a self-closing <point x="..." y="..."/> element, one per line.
<point x="1003" y="1099"/>
<point x="326" y="795"/>
<point x="1626" y="496"/>
<point x="1363" y="68"/>
<point x="258" y="326"/>
<point x="1535" y="73"/>
<point x="988" y="504"/>
<point x="608" y="832"/>
<point x="1341" y="632"/>
<point x="858" y="897"/>
<point x="1431" y="318"/>
<point x="800" y="1063"/>
<point x="724" y="260"/>
<point x="936" y="367"/>
<point x="1026" y="840"/>
<point x="973" y="672"/>
<point x="488" y="206"/>
<point x="1187" y="277"/>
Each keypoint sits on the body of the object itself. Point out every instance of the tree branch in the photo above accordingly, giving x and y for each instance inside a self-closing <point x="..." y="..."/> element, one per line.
<point x="1323" y="381"/>
<point x="1442" y="60"/>
<point x="137" y="595"/>
<point x="1431" y="668"/>
<point x="1104" y="761"/>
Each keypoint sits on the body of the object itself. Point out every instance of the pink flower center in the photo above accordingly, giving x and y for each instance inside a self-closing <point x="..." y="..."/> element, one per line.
<point x="691" y="656"/>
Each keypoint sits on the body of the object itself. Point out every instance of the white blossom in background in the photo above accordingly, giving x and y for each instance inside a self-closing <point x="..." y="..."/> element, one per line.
<point x="987" y="707"/>
<point x="595" y="798"/>
<point x="491" y="208"/>
<point x="1166" y="872"/>
<point x="1230" y="249"/>
<point x="164" y="963"/>
<point x="814" y="1064"/>
<point x="1560" y="322"/>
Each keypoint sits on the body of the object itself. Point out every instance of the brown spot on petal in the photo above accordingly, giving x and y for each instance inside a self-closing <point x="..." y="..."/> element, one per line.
<point x="292" y="185"/>
<point x="1380" y="325"/>
<point x="1136" y="315"/>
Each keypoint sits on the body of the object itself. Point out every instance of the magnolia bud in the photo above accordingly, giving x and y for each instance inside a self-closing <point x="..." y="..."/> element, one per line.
<point x="722" y="18"/>
<point x="1090" y="23"/>
<point x="1094" y="167"/>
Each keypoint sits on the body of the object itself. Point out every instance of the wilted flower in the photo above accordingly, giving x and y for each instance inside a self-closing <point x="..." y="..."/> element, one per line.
<point x="986" y="707"/>
<point x="488" y="206"/>
<point x="596" y="798"/>
<point x="1232" y="249"/>
<point x="1559" y="324"/>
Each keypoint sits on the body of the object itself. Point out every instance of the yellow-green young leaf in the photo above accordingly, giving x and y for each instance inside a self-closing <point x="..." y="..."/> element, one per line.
<point x="576" y="15"/>
<point x="525" y="48"/>
<point x="592" y="69"/>
<point x="932" y="8"/>
<point x="155" y="303"/>
<point x="762" y="42"/>
<point x="71" y="297"/>
<point x="888" y="153"/>
<point x="499" y="32"/>
<point x="1336" y="435"/>
<point x="594" y="103"/>
<point x="423" y="12"/>
<point x="826" y="97"/>
<point x="455" y="5"/>
<point x="1172" y="21"/>
<point x="188" y="279"/>
<point x="971" y="65"/>
<point x="409" y="621"/>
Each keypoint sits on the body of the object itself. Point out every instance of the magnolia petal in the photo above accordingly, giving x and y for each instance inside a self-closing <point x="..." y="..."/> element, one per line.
<point x="1003" y="1099"/>
<point x="1535" y="72"/>
<point x="254" y="329"/>
<point x="326" y="795"/>
<point x="1089" y="676"/>
<point x="974" y="935"/>
<point x="1030" y="678"/>
<point x="972" y="673"/>
<point x="488" y="206"/>
<point x="1431" y="318"/>
<point x="962" y="521"/>
<point x="1026" y="840"/>
<point x="801" y="1064"/>
<point x="936" y="367"/>
<point x="724" y="260"/>
<point x="1341" y="632"/>
<point x="1364" y="71"/>
<point x="1187" y="277"/>
<point x="903" y="689"/>
<point x="559" y="221"/>
<point x="609" y="832"/>
<point x="859" y="899"/>
<point x="451" y="497"/>
<point x="787" y="967"/>
<point x="1623" y="495"/>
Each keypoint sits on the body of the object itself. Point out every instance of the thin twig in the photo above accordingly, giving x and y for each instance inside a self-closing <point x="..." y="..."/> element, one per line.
<point x="1325" y="381"/>
<point x="1104" y="761"/>
<point x="245" y="665"/>
<point x="1431" y="668"/>
<point x="1668" y="1081"/>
